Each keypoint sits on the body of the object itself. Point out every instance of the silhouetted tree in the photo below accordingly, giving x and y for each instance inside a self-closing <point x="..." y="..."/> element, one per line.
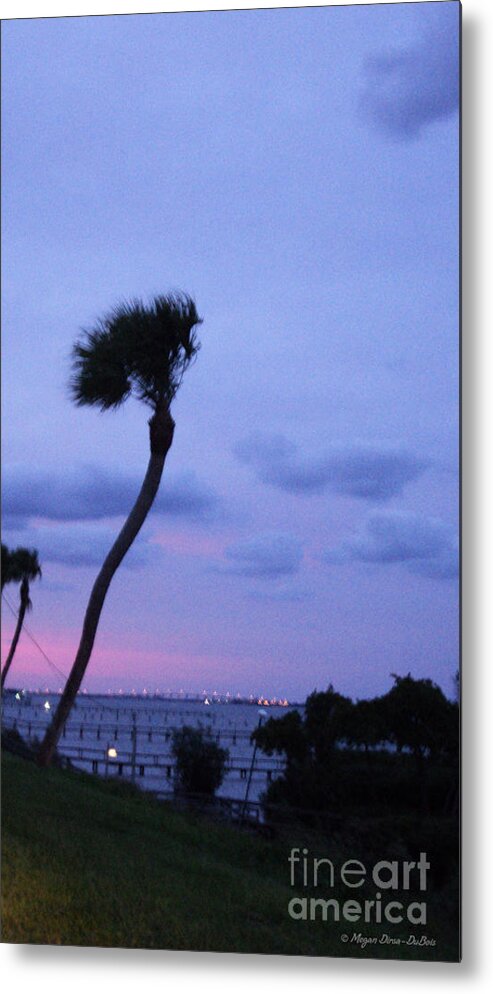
<point x="418" y="717"/>
<point x="10" y="573"/>
<point x="144" y="350"/>
<point x="309" y="744"/>
<point x="285" y="736"/>
<point x="327" y="716"/>
<point x="200" y="762"/>
<point x="366" y="726"/>
<point x="22" y="565"/>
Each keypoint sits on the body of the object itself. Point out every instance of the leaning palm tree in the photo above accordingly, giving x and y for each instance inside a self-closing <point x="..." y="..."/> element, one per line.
<point x="22" y="566"/>
<point x="144" y="350"/>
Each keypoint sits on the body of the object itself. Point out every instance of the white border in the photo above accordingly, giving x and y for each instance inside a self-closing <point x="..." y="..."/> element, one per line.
<point x="61" y="8"/>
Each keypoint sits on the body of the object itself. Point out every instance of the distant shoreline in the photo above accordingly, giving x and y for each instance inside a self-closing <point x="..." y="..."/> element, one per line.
<point x="189" y="698"/>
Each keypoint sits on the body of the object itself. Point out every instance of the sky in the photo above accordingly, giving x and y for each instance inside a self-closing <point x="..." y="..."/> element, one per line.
<point x="296" y="172"/>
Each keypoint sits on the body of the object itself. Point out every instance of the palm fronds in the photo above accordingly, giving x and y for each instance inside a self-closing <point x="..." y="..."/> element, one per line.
<point x="136" y="348"/>
<point x="19" y="564"/>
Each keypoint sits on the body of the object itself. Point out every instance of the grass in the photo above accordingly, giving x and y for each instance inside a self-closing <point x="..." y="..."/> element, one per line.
<point x="88" y="862"/>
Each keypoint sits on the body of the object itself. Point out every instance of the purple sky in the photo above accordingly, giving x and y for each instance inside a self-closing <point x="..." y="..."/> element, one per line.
<point x="296" y="171"/>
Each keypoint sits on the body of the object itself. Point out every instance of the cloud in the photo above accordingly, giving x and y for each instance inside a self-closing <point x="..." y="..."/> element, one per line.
<point x="93" y="494"/>
<point x="368" y="472"/>
<point x="76" y="544"/>
<point x="267" y="556"/>
<point x="427" y="546"/>
<point x="408" y="89"/>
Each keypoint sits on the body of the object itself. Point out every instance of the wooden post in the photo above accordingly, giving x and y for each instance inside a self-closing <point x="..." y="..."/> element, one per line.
<point x="252" y="764"/>
<point x="134" y="744"/>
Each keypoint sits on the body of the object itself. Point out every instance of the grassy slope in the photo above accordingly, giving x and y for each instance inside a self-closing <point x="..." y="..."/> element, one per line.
<point x="91" y="863"/>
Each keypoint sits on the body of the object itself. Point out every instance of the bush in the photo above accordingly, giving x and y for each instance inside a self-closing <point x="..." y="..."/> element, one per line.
<point x="200" y="762"/>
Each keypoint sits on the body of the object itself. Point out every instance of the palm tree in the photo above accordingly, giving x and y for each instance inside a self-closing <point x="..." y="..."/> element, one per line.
<point x="144" y="350"/>
<point x="22" y="565"/>
<point x="9" y="571"/>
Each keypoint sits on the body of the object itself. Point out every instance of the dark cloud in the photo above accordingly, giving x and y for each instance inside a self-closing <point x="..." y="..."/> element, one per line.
<point x="266" y="556"/>
<point x="444" y="566"/>
<point x="405" y="90"/>
<point x="77" y="544"/>
<point x="93" y="494"/>
<point x="374" y="473"/>
<point x="427" y="546"/>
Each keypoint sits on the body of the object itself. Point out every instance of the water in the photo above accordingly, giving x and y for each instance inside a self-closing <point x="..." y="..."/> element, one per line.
<point x="130" y="737"/>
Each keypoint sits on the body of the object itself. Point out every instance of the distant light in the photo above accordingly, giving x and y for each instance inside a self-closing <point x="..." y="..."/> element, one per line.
<point x="206" y="701"/>
<point x="17" y="696"/>
<point x="47" y="706"/>
<point x="112" y="753"/>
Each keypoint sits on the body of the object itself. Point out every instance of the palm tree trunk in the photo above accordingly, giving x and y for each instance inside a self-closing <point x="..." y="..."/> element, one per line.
<point x="161" y="436"/>
<point x="24" y="601"/>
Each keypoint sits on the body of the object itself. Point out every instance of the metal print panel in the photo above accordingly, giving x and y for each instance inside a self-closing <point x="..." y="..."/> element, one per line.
<point x="230" y="651"/>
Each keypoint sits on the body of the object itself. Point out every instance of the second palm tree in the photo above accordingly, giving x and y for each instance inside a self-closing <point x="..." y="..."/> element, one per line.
<point x="19" y="566"/>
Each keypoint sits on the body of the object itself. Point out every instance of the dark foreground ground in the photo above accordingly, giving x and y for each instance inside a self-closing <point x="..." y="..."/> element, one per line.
<point x="86" y="862"/>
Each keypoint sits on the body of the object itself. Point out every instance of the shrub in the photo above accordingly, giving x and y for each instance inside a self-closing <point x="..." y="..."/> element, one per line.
<point x="200" y="762"/>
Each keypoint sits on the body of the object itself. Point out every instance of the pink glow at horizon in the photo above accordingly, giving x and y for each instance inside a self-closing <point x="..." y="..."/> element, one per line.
<point x="114" y="666"/>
